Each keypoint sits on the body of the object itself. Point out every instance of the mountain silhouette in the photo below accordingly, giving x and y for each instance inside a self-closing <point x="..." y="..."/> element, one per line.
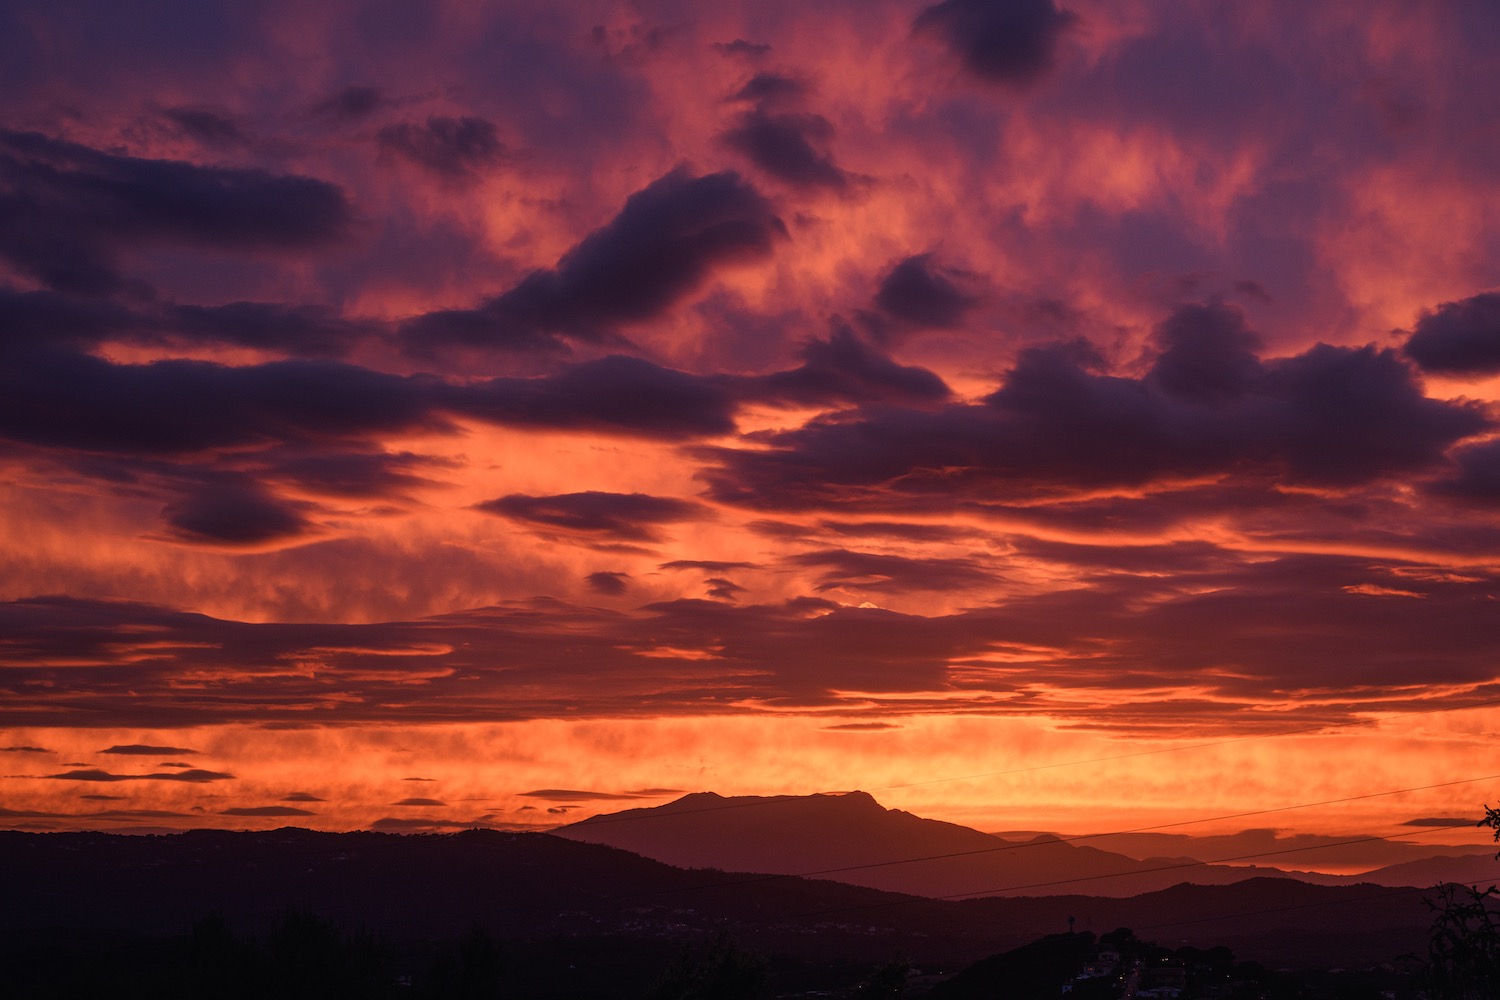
<point x="850" y="837"/>
<point x="1483" y="869"/>
<point x="1286" y="850"/>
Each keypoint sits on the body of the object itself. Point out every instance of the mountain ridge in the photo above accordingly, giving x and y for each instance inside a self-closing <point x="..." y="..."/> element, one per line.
<point x="850" y="837"/>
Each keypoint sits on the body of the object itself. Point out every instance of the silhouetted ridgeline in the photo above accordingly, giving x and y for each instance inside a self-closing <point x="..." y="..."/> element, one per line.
<point x="576" y="919"/>
<point x="852" y="838"/>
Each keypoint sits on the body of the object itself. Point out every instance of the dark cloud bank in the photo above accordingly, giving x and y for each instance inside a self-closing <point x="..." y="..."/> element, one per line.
<point x="67" y="211"/>
<point x="1011" y="42"/>
<point x="1208" y="406"/>
<point x="665" y="242"/>
<point x="1362" y="633"/>
<point x="1459" y="338"/>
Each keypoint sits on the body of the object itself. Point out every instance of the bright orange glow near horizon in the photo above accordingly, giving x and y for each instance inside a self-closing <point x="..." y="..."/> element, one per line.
<point x="494" y="415"/>
<point x="1347" y="785"/>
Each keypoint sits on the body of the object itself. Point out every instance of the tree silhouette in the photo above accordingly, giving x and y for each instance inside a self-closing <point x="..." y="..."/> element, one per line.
<point x="471" y="971"/>
<point x="309" y="956"/>
<point x="721" y="970"/>
<point x="1464" y="947"/>
<point x="216" y="963"/>
<point x="884" y="982"/>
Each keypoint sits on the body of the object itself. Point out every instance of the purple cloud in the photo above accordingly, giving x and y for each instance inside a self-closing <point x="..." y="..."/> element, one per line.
<point x="575" y="795"/>
<point x="145" y="750"/>
<point x="66" y="209"/>
<point x="354" y="103"/>
<point x="611" y="583"/>
<point x="845" y="369"/>
<point x="459" y="149"/>
<point x="665" y="242"/>
<point x="1459" y="338"/>
<point x="207" y="126"/>
<point x="788" y="147"/>
<point x="274" y="811"/>
<point x="892" y="574"/>
<point x="193" y="775"/>
<point x="920" y="291"/>
<point x="1001" y="41"/>
<point x="239" y="514"/>
<point x="1331" y="416"/>
<point x="624" y="516"/>
<point x="1363" y="632"/>
<point x="613" y="395"/>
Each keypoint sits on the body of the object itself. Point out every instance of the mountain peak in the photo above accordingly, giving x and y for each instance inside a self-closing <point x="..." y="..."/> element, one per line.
<point x="851" y="837"/>
<point x="850" y="803"/>
<point x="856" y="797"/>
<point x="698" y="798"/>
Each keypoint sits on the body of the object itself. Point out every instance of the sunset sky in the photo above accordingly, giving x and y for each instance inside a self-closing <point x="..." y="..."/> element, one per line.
<point x="1043" y="416"/>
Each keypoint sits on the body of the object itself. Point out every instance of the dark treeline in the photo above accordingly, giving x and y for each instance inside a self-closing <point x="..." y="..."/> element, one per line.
<point x="293" y="913"/>
<point x="536" y="887"/>
<point x="304" y="955"/>
<point x="1117" y="964"/>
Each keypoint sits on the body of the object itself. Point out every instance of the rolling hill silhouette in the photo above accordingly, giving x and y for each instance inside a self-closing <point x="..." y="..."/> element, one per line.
<point x="1292" y="850"/>
<point x="570" y="899"/>
<point x="1464" y="869"/>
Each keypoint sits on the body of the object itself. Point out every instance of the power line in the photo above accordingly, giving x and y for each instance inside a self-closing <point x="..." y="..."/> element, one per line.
<point x="991" y="893"/>
<point x="1495" y="876"/>
<point x="910" y="900"/>
<point x="1008" y="846"/>
<point x="1116" y="833"/>
<point x="1194" y="863"/>
<point x="644" y="814"/>
<point x="649" y="812"/>
<point x="1159" y="826"/>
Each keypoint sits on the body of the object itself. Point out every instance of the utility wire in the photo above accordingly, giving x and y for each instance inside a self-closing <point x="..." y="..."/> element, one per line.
<point x="644" y="813"/>
<point x="1151" y="829"/>
<point x="1007" y="846"/>
<point x="1194" y="863"/>
<point x="1494" y="876"/>
<point x="909" y="900"/>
